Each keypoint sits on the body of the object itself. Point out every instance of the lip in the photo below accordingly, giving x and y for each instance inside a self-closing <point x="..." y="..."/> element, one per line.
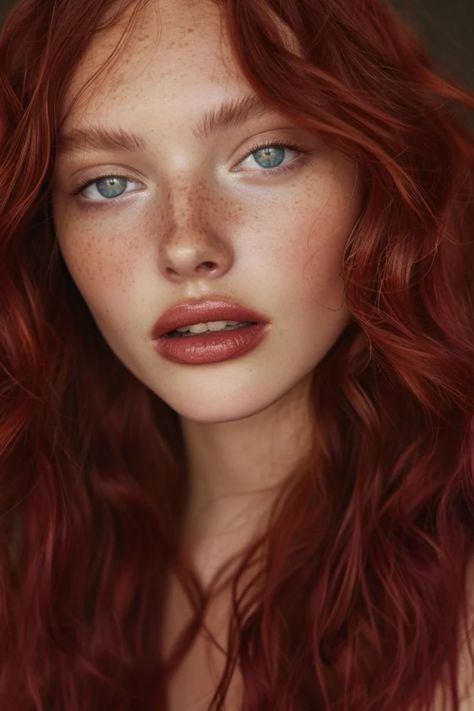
<point x="190" y="312"/>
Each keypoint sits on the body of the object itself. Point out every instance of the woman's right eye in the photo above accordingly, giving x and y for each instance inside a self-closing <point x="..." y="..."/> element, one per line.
<point x="106" y="188"/>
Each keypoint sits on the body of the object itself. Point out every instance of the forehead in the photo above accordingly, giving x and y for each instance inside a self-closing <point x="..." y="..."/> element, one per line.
<point x="176" y="48"/>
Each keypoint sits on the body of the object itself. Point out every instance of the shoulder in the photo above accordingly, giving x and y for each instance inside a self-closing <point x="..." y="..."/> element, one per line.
<point x="466" y="655"/>
<point x="466" y="658"/>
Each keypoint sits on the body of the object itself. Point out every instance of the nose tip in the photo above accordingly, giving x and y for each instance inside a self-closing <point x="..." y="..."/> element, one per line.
<point x="209" y="260"/>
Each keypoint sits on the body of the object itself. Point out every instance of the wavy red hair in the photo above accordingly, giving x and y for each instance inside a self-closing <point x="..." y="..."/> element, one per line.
<point x="359" y="601"/>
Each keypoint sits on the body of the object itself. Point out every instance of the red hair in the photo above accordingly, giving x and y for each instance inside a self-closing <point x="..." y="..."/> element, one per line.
<point x="359" y="602"/>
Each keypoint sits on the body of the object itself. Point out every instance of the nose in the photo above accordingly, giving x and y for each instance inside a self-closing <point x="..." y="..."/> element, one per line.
<point x="191" y="248"/>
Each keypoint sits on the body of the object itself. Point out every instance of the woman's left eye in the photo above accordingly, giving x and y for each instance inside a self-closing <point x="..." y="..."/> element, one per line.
<point x="269" y="156"/>
<point x="106" y="188"/>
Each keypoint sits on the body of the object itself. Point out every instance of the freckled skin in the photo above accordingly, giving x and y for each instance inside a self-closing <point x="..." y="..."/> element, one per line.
<point x="276" y="241"/>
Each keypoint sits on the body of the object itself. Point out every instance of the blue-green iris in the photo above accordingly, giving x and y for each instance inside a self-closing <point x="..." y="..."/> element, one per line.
<point x="111" y="187"/>
<point x="266" y="153"/>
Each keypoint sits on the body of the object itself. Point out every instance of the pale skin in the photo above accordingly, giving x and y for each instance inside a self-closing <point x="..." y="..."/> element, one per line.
<point x="276" y="242"/>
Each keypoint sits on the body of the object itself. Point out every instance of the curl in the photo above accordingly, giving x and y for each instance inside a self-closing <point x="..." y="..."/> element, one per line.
<point x="369" y="541"/>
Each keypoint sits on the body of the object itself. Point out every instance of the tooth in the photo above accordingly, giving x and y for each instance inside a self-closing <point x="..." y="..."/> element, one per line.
<point x="218" y="325"/>
<point x="209" y="326"/>
<point x="198" y="328"/>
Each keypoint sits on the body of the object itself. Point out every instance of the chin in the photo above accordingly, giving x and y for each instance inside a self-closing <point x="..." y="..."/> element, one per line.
<point x="215" y="415"/>
<point x="209" y="411"/>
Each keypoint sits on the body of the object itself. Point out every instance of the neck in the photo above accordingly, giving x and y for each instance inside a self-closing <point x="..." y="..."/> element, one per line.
<point x="237" y="467"/>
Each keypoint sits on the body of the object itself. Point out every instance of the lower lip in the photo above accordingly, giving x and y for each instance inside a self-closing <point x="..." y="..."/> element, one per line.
<point x="211" y="347"/>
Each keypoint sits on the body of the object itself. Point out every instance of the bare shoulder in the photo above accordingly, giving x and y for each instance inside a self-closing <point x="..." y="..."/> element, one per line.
<point x="466" y="660"/>
<point x="466" y="655"/>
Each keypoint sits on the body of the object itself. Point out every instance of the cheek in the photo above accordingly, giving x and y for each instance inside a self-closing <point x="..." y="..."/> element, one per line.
<point x="303" y="241"/>
<point x="99" y="257"/>
<point x="103" y="276"/>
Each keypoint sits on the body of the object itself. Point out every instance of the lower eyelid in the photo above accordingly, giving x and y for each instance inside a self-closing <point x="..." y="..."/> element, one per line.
<point x="267" y="173"/>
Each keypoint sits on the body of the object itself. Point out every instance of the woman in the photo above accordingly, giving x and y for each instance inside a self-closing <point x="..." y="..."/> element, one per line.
<point x="278" y="518"/>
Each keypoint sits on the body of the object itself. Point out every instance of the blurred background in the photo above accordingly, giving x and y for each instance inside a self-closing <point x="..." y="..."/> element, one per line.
<point x="447" y="26"/>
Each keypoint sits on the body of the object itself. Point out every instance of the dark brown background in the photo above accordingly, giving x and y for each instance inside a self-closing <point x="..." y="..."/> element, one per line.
<point x="446" y="25"/>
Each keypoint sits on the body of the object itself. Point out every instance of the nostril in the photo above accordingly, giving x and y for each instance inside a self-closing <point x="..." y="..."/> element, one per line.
<point x="207" y="266"/>
<point x="210" y="265"/>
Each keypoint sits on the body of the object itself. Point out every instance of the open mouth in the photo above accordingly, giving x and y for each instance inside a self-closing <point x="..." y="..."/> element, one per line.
<point x="211" y="346"/>
<point x="228" y="327"/>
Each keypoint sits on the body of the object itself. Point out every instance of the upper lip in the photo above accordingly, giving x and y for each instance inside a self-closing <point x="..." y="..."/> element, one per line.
<point x="189" y="312"/>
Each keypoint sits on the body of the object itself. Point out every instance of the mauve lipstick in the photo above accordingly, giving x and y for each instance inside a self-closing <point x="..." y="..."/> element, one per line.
<point x="208" y="347"/>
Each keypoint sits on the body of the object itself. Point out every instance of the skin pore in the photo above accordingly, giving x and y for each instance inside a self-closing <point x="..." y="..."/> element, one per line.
<point x="204" y="217"/>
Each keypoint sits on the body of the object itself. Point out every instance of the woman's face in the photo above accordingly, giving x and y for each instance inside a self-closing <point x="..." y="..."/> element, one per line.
<point x="191" y="217"/>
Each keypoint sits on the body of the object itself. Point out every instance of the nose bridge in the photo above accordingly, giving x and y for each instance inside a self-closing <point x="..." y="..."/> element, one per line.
<point x="186" y="200"/>
<point x="192" y="240"/>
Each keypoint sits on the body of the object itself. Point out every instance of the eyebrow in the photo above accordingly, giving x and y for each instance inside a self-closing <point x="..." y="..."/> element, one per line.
<point x="231" y="113"/>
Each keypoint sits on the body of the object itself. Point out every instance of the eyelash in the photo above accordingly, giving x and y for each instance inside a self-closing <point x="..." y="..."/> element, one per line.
<point x="257" y="147"/>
